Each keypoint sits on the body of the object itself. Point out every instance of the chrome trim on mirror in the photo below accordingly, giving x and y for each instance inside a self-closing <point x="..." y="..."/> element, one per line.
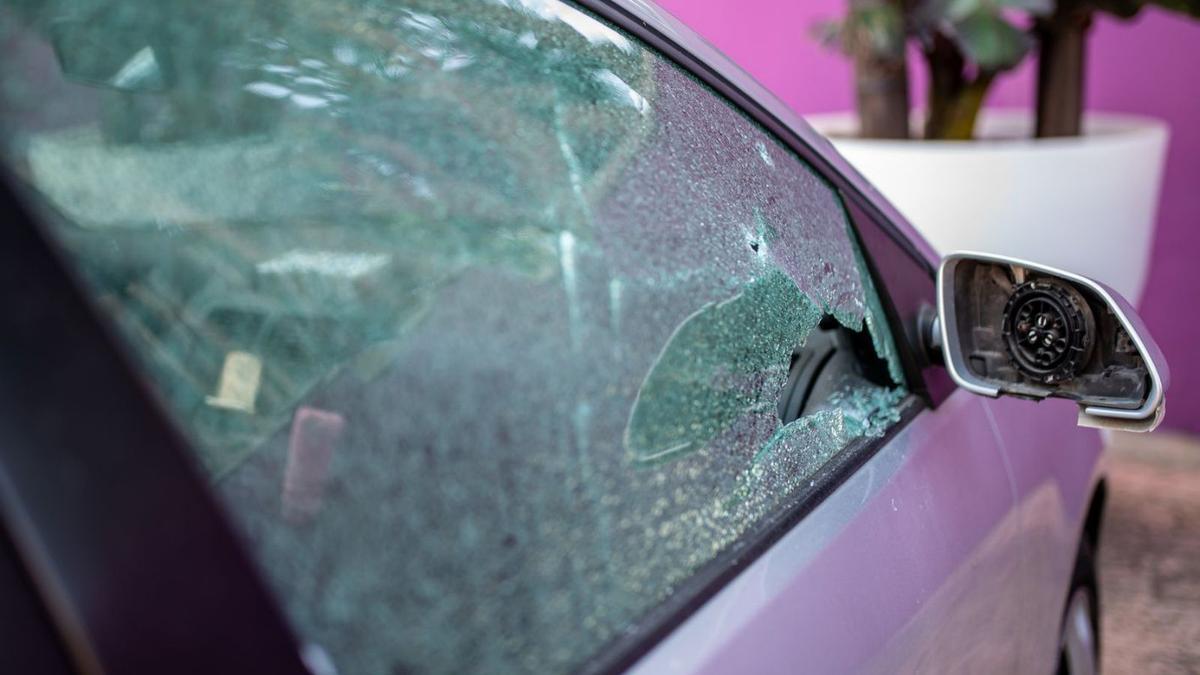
<point x="1143" y="418"/>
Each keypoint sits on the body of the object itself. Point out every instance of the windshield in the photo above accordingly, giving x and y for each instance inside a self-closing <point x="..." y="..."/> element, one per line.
<point x="479" y="313"/>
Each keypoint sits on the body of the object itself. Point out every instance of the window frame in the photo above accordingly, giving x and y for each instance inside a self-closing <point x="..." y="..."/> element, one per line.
<point x="50" y="535"/>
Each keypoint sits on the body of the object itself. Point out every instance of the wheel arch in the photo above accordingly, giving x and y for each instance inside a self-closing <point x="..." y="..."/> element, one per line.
<point x="1094" y="519"/>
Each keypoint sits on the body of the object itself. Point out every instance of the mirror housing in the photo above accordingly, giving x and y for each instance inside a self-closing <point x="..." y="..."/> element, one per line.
<point x="1015" y="328"/>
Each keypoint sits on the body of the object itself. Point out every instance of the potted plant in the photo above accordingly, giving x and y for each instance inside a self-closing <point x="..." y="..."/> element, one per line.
<point x="1054" y="184"/>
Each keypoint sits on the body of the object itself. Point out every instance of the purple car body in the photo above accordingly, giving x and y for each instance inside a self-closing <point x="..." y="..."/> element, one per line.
<point x="949" y="551"/>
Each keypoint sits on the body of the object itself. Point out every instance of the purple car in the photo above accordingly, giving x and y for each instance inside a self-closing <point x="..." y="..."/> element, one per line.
<point x="511" y="336"/>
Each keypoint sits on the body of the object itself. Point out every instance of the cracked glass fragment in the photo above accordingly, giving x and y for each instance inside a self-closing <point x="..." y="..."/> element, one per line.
<point x="715" y="365"/>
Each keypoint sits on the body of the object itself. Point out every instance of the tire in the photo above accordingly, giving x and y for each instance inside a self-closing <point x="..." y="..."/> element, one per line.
<point x="1079" y="635"/>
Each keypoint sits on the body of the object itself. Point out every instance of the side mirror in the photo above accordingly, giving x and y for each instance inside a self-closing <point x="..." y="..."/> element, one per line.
<point x="1015" y="328"/>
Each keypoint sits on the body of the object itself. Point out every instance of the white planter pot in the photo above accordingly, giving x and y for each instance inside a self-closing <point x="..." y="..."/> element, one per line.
<point x="1085" y="204"/>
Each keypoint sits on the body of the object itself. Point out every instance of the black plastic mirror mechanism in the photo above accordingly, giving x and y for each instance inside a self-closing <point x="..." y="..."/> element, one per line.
<point x="1049" y="330"/>
<point x="1016" y="328"/>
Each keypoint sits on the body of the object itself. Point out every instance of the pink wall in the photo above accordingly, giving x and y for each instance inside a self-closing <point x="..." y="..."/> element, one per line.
<point x="1149" y="66"/>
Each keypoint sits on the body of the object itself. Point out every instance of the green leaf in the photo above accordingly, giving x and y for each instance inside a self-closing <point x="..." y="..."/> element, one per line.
<point x="930" y="13"/>
<point x="990" y="41"/>
<point x="877" y="28"/>
<point x="828" y="32"/>
<point x="958" y="10"/>
<point x="1038" y="7"/>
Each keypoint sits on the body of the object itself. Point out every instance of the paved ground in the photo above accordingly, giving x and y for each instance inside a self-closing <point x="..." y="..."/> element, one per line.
<point x="1150" y="556"/>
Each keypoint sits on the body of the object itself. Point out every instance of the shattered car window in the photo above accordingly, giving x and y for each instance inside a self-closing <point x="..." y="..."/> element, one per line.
<point x="490" y="325"/>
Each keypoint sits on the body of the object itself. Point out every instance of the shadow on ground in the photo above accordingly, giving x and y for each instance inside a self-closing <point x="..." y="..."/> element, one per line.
<point x="1150" y="556"/>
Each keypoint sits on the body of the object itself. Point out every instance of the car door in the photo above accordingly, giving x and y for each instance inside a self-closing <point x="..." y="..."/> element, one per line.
<point x="912" y="565"/>
<point x="509" y="344"/>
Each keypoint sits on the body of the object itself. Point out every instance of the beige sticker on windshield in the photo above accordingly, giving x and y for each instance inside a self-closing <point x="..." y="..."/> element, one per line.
<point x="238" y="386"/>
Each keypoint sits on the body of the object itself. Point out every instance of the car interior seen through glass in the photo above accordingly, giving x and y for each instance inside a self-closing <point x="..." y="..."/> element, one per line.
<point x="489" y="325"/>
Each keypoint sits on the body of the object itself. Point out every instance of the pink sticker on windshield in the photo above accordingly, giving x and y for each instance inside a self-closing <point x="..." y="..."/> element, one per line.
<point x="315" y="433"/>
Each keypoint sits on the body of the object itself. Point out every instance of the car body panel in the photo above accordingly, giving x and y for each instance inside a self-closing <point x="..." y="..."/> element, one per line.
<point x="1057" y="468"/>
<point x="919" y="562"/>
<point x="908" y="561"/>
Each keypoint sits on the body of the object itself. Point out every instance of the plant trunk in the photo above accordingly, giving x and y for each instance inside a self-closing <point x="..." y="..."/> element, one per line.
<point x="881" y="88"/>
<point x="1063" y="46"/>
<point x="967" y="106"/>
<point x="954" y="99"/>
<point x="946" y="80"/>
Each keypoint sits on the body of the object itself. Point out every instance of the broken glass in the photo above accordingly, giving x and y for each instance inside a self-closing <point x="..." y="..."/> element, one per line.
<point x="479" y="313"/>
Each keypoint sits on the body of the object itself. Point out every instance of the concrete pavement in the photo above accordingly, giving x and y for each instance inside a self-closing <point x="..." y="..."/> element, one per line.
<point x="1150" y="556"/>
